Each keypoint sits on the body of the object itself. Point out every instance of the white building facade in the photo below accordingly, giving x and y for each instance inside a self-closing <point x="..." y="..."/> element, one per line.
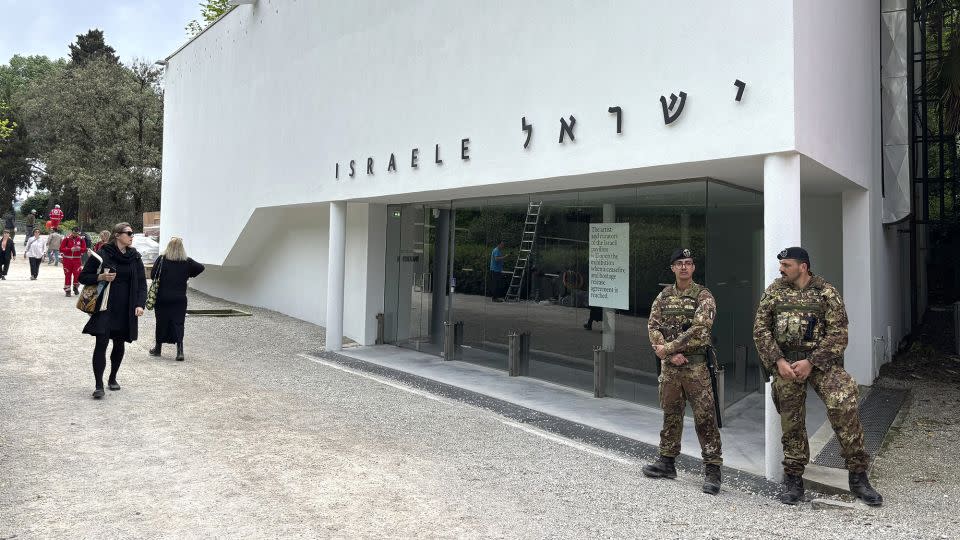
<point x="337" y="161"/>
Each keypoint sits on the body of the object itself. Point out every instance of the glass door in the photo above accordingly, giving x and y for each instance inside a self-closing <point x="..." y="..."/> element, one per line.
<point x="415" y="303"/>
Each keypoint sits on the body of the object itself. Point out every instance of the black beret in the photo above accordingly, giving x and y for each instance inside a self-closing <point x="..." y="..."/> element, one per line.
<point x="797" y="253"/>
<point x="680" y="253"/>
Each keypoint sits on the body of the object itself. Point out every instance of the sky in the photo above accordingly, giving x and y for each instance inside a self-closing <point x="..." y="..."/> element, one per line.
<point x="146" y="29"/>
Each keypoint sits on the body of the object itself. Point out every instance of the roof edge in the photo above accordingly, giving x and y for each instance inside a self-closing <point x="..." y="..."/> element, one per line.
<point x="191" y="40"/>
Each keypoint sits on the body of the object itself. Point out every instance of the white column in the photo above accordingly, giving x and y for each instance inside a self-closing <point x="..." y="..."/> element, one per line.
<point x="858" y="285"/>
<point x="781" y="229"/>
<point x="335" y="271"/>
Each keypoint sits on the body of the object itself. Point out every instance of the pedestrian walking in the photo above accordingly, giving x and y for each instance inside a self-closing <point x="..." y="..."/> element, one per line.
<point x="122" y="269"/>
<point x="86" y="253"/>
<point x="56" y="216"/>
<point x="680" y="324"/>
<point x="171" y="270"/>
<point x="801" y="334"/>
<point x="7" y="253"/>
<point x="104" y="238"/>
<point x="36" y="247"/>
<point x="31" y="224"/>
<point x="9" y="223"/>
<point x="53" y="247"/>
<point x="70" y="250"/>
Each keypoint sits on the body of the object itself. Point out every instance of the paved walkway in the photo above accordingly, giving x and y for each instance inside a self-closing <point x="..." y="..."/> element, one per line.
<point x="249" y="438"/>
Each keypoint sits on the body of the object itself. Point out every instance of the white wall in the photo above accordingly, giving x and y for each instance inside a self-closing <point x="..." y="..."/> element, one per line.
<point x="262" y="105"/>
<point x="822" y="236"/>
<point x="290" y="271"/>
<point x="837" y="58"/>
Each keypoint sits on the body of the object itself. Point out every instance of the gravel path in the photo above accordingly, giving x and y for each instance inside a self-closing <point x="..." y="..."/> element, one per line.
<point x="248" y="438"/>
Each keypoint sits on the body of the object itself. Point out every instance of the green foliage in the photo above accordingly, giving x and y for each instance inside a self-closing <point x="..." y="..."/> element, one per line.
<point x="17" y="160"/>
<point x="7" y="125"/>
<point x="66" y="226"/>
<point x="97" y="127"/>
<point x="210" y="10"/>
<point x="39" y="201"/>
<point x="90" y="47"/>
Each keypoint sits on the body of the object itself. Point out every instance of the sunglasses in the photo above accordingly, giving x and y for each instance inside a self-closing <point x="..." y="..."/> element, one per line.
<point x="129" y="233"/>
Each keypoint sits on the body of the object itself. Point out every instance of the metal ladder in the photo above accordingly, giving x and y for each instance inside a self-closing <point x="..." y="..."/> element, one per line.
<point x="527" y="240"/>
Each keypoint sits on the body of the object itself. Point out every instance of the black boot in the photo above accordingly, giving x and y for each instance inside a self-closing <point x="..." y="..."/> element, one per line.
<point x="588" y="325"/>
<point x="155" y="351"/>
<point x="66" y="291"/>
<point x="180" y="351"/>
<point x="76" y="289"/>
<point x="792" y="489"/>
<point x="711" y="480"/>
<point x="663" y="467"/>
<point x="98" y="392"/>
<point x="860" y="488"/>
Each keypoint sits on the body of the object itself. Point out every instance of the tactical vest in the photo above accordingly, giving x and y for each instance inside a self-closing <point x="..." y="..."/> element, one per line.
<point x="677" y="312"/>
<point x="799" y="323"/>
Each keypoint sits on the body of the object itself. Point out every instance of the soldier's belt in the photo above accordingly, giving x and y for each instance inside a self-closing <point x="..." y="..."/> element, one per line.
<point x="796" y="356"/>
<point x="695" y="358"/>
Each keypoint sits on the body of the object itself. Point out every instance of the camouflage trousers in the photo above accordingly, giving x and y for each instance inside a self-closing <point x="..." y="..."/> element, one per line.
<point x="839" y="393"/>
<point x="678" y="386"/>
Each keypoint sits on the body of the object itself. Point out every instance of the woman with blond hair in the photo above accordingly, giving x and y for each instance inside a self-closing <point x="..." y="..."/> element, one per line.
<point x="122" y="269"/>
<point x="173" y="268"/>
<point x="104" y="238"/>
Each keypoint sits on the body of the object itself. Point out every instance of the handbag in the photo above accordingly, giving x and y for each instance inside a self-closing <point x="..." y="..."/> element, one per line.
<point x="154" y="287"/>
<point x="87" y="301"/>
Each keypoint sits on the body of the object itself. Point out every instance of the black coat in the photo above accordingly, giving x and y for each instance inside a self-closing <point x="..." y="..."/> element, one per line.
<point x="10" y="251"/>
<point x="120" y="312"/>
<point x="171" y="304"/>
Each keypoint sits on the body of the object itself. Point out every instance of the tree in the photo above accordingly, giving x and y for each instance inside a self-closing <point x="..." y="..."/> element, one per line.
<point x="7" y="125"/>
<point x="98" y="128"/>
<point x="210" y="10"/>
<point x="91" y="46"/>
<point x="23" y="69"/>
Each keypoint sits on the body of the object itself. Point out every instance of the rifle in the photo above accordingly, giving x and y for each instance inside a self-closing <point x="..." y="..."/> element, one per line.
<point x="713" y="367"/>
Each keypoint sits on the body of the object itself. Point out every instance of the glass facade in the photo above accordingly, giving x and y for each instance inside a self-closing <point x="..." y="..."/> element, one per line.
<point x="445" y="264"/>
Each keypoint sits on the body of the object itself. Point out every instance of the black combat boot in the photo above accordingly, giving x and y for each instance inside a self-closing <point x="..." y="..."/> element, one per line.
<point x="76" y="289"/>
<point x="711" y="480"/>
<point x="155" y="351"/>
<point x="860" y="488"/>
<point x="663" y="467"/>
<point x="180" y="351"/>
<point x="792" y="489"/>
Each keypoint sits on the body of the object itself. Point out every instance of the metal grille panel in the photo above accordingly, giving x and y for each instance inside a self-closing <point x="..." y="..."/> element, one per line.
<point x="877" y="413"/>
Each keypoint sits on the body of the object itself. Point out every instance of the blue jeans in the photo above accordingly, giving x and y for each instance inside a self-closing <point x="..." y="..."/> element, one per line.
<point x="53" y="255"/>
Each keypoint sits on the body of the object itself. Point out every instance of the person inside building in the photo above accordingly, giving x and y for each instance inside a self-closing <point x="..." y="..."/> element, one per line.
<point x="122" y="269"/>
<point x="496" y="271"/>
<point x="172" y="269"/>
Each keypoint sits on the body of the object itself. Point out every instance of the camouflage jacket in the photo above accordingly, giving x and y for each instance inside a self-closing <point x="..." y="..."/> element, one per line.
<point x="682" y="320"/>
<point x="811" y="319"/>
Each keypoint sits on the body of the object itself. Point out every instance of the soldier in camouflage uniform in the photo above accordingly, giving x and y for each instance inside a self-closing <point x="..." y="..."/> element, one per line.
<point x="679" y="327"/>
<point x="801" y="334"/>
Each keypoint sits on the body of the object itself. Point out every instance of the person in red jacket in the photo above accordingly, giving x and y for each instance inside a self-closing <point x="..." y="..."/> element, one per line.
<point x="56" y="216"/>
<point x="71" y="249"/>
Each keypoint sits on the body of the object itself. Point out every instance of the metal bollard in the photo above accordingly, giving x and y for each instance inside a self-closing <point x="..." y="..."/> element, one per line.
<point x="458" y="337"/>
<point x="518" y="354"/>
<point x="603" y="372"/>
<point x="449" y="345"/>
<point x="956" y="326"/>
<point x="380" y="323"/>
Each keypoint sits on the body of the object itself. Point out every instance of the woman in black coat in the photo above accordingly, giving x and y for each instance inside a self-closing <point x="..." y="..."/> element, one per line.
<point x="123" y="272"/>
<point x="7" y="253"/>
<point x="173" y="269"/>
